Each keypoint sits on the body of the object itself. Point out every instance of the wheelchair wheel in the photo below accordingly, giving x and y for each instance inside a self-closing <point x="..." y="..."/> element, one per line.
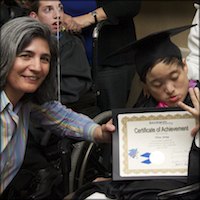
<point x="90" y="160"/>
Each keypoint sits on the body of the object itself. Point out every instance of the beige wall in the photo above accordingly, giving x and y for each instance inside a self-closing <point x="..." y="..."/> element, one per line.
<point x="163" y="14"/>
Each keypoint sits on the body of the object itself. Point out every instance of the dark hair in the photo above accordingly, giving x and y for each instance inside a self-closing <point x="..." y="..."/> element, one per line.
<point x="16" y="35"/>
<point x="33" y="6"/>
<point x="166" y="60"/>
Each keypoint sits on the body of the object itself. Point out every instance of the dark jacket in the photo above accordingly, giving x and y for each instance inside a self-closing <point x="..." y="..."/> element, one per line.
<point x="8" y="12"/>
<point x="119" y="31"/>
<point x="75" y="69"/>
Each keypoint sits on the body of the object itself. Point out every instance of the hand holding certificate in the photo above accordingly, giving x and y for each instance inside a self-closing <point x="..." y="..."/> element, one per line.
<point x="152" y="143"/>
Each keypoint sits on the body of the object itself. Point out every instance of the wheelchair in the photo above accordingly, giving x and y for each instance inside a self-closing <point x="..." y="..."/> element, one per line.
<point x="83" y="161"/>
<point x="90" y="160"/>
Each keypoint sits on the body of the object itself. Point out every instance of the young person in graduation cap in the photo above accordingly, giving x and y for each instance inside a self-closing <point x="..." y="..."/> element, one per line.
<point x="163" y="72"/>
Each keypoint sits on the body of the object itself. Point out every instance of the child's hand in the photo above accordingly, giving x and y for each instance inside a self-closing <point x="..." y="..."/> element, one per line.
<point x="194" y="94"/>
<point x="103" y="132"/>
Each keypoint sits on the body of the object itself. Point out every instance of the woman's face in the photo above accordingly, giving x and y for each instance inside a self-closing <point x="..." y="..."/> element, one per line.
<point x="168" y="83"/>
<point x="30" y="68"/>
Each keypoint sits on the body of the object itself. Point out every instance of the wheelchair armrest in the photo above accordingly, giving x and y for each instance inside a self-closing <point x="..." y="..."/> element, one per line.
<point x="179" y="191"/>
<point x="98" y="27"/>
<point x="103" y="117"/>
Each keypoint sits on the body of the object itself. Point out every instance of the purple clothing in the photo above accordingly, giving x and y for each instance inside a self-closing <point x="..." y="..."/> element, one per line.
<point x="192" y="84"/>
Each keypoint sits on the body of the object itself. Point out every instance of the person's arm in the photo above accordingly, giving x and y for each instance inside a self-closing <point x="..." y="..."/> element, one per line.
<point x="111" y="10"/>
<point x="65" y="122"/>
<point x="193" y="45"/>
<point x="103" y="133"/>
<point x="80" y="22"/>
<point x="70" y="24"/>
<point x="195" y="111"/>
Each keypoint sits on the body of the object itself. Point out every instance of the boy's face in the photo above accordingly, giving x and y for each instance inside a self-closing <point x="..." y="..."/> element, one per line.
<point x="50" y="13"/>
<point x="168" y="83"/>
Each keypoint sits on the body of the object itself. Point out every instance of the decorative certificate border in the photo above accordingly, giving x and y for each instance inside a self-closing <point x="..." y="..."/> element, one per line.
<point x="127" y="159"/>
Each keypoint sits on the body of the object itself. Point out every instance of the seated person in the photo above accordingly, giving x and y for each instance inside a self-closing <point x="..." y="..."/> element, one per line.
<point x="163" y="72"/>
<point x="75" y="71"/>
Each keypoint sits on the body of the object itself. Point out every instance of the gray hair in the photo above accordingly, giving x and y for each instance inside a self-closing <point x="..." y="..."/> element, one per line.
<point x="16" y="35"/>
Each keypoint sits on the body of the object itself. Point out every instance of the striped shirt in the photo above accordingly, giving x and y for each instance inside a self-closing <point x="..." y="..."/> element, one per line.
<point x="14" y="123"/>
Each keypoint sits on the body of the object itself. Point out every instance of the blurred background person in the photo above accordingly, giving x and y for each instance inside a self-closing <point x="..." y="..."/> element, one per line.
<point x="112" y="77"/>
<point x="193" y="45"/>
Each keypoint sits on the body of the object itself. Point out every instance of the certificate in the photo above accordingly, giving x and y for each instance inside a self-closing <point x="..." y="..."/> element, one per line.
<point x="151" y="143"/>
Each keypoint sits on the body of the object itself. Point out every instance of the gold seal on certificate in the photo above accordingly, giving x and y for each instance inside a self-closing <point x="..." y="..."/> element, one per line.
<point x="151" y="143"/>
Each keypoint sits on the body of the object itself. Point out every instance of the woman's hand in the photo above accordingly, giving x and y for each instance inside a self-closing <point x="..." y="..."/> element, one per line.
<point x="70" y="24"/>
<point x="84" y="21"/>
<point x="103" y="133"/>
<point x="194" y="94"/>
<point x="88" y="19"/>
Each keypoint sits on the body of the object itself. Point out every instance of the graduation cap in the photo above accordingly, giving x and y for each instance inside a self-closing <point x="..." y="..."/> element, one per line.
<point x="152" y="47"/>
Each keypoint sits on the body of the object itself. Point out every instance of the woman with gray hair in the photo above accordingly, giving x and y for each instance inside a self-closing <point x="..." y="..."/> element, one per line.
<point x="27" y="92"/>
<point x="14" y="38"/>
